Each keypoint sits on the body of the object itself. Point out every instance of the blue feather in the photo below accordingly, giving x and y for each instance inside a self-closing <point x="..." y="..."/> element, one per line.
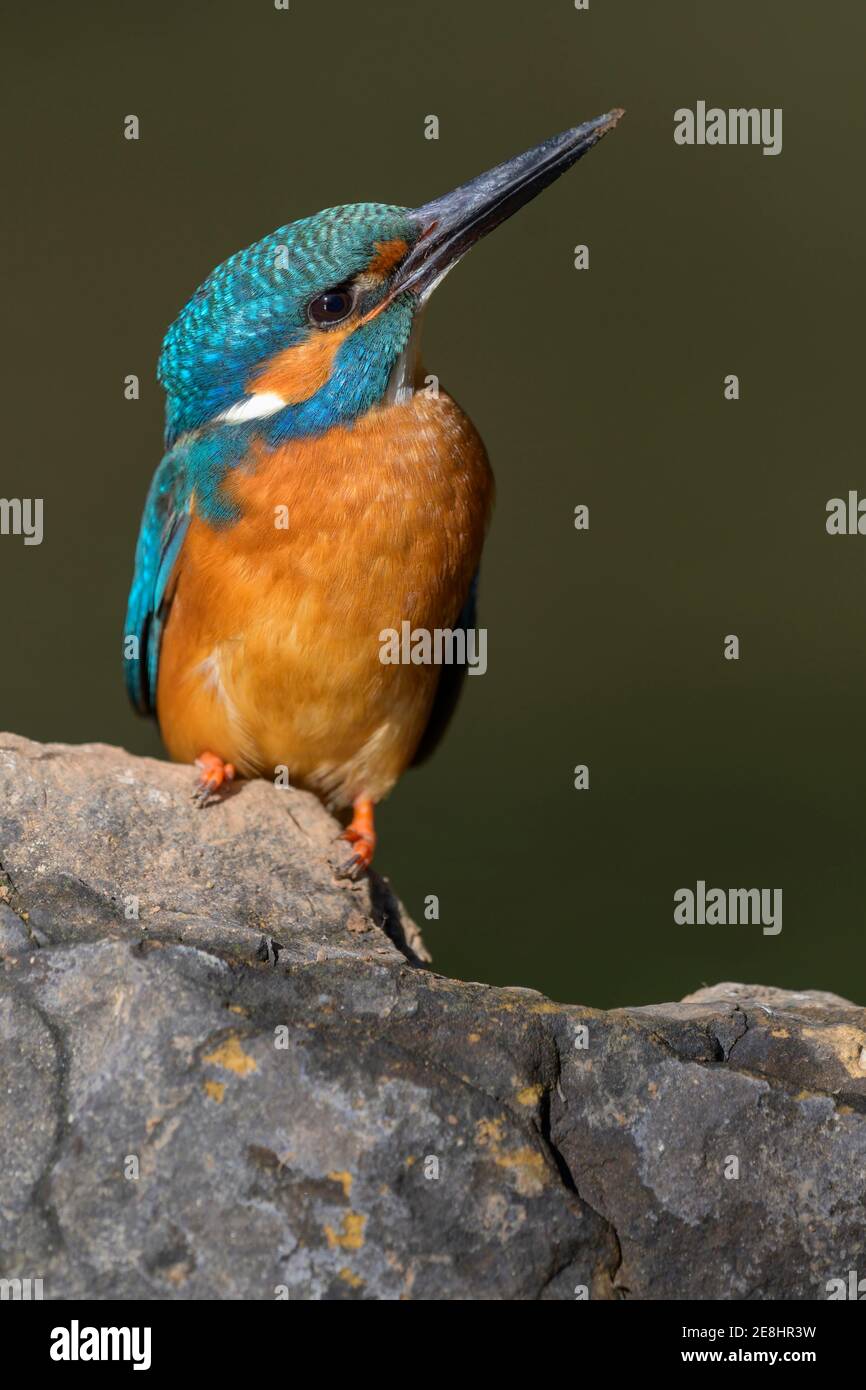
<point x="163" y="527"/>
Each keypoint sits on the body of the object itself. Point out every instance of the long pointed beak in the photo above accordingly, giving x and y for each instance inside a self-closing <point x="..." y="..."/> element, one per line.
<point x="451" y="224"/>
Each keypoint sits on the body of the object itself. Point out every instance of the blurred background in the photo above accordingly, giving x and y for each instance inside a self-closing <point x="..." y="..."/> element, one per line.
<point x="602" y="387"/>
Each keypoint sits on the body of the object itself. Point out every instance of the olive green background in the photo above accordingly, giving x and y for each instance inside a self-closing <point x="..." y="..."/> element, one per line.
<point x="601" y="387"/>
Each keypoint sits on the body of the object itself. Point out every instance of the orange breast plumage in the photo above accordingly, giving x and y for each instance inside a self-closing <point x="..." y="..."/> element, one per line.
<point x="271" y="651"/>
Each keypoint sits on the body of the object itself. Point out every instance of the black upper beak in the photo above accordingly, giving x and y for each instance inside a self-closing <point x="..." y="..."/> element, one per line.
<point x="451" y="224"/>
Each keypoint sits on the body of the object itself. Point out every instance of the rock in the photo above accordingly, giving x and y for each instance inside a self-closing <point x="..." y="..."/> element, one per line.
<point x="227" y="1075"/>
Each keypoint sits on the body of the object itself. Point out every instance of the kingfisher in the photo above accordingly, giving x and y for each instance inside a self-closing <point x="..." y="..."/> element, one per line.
<point x="315" y="493"/>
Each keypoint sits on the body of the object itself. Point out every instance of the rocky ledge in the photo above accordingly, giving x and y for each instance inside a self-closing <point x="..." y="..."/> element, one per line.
<point x="227" y="1075"/>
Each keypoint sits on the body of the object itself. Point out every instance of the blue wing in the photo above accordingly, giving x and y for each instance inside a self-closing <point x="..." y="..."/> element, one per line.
<point x="450" y="685"/>
<point x="163" y="527"/>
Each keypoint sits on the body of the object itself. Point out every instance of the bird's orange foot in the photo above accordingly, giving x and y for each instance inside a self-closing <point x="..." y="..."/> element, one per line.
<point x="214" y="773"/>
<point x="362" y="836"/>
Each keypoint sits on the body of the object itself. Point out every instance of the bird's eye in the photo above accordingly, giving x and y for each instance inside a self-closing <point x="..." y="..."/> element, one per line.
<point x="332" y="306"/>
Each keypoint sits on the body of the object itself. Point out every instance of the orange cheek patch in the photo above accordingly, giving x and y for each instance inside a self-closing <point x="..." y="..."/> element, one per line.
<point x="299" y="372"/>
<point x="388" y="253"/>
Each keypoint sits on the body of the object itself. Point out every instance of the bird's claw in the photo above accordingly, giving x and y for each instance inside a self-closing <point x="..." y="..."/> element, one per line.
<point x="361" y="835"/>
<point x="214" y="775"/>
<point x="353" y="868"/>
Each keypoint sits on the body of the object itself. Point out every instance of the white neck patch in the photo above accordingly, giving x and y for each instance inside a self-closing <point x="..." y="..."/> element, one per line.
<point x="254" y="407"/>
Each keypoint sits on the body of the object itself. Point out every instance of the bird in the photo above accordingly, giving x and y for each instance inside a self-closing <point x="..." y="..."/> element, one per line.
<point x="316" y="492"/>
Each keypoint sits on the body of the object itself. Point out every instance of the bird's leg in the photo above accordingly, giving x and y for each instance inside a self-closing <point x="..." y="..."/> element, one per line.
<point x="213" y="774"/>
<point x="361" y="834"/>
